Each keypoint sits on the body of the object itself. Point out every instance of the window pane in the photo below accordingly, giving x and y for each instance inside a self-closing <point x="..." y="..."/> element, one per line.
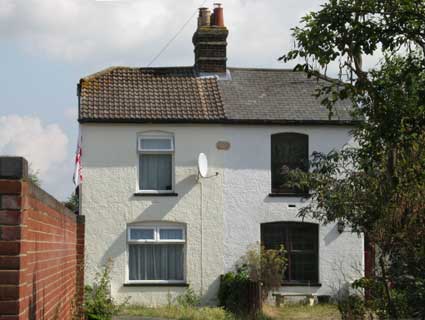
<point x="289" y="151"/>
<point x="156" y="144"/>
<point x="156" y="262"/>
<point x="171" y="234"/>
<point x="141" y="234"/>
<point x="273" y="235"/>
<point x="155" y="172"/>
<point x="304" y="237"/>
<point x="301" y="243"/>
<point x="304" y="267"/>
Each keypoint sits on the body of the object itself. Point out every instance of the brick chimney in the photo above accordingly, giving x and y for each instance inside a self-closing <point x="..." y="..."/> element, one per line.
<point x="210" y="41"/>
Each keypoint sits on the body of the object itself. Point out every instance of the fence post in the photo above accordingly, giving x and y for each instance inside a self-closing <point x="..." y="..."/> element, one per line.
<point x="255" y="301"/>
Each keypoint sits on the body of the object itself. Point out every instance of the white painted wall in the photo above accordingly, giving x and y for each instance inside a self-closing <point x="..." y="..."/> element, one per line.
<point x="234" y="203"/>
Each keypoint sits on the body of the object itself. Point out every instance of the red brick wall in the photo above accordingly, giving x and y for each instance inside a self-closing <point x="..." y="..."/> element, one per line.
<point x="41" y="254"/>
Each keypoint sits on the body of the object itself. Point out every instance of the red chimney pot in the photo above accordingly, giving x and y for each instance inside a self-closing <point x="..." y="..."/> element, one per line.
<point x="218" y="15"/>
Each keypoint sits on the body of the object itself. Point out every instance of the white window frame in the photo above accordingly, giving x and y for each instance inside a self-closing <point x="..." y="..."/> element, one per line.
<point x="171" y="240"/>
<point x="157" y="228"/>
<point x="141" y="151"/>
<point x="154" y="137"/>
<point x="140" y="240"/>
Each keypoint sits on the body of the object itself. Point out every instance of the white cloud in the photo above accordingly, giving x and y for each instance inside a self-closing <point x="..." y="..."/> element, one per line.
<point x="44" y="146"/>
<point x="133" y="31"/>
<point x="71" y="113"/>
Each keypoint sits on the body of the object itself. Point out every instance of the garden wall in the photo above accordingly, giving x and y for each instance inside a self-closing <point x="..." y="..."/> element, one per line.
<point x="41" y="250"/>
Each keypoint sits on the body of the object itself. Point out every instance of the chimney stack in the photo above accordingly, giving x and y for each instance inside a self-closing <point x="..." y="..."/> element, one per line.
<point x="210" y="41"/>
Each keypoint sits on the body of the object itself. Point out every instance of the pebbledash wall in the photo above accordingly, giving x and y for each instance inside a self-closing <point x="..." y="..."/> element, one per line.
<point x="222" y="214"/>
<point x="41" y="250"/>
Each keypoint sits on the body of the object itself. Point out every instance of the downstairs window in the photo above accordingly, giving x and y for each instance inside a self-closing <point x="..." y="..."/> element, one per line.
<point x="301" y="243"/>
<point x="156" y="253"/>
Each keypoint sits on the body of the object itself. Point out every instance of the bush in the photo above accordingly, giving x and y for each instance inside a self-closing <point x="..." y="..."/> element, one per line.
<point x="189" y="299"/>
<point x="265" y="266"/>
<point x="233" y="292"/>
<point x="98" y="303"/>
<point x="377" y="302"/>
<point x="352" y="307"/>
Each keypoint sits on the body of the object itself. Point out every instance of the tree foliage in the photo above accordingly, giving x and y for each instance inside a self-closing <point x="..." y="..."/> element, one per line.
<point x="33" y="176"/>
<point x="379" y="186"/>
<point x="73" y="202"/>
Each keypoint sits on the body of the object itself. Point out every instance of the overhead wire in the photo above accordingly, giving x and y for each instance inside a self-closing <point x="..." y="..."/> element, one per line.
<point x="165" y="47"/>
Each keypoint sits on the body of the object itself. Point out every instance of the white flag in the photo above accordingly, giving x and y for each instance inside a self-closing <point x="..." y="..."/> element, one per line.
<point x="78" y="177"/>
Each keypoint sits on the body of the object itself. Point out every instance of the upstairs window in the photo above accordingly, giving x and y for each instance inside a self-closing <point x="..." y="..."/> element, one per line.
<point x="301" y="244"/>
<point x="289" y="151"/>
<point x="156" y="163"/>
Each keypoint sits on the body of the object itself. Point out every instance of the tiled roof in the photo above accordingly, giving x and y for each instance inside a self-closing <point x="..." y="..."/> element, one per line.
<point x="150" y="94"/>
<point x="275" y="95"/>
<point x="177" y="94"/>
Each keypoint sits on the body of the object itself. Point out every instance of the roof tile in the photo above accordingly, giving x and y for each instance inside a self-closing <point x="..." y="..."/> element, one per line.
<point x="178" y="94"/>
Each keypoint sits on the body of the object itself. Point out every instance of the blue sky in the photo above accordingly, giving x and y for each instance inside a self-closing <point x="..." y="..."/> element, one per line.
<point x="48" y="45"/>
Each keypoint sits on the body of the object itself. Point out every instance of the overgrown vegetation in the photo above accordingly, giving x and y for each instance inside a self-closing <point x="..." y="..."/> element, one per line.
<point x="287" y="312"/>
<point x="179" y="312"/>
<point x="189" y="299"/>
<point x="265" y="266"/>
<point x="296" y="311"/>
<point x="98" y="303"/>
<point x="379" y="187"/>
<point x="258" y="265"/>
<point x="233" y="292"/>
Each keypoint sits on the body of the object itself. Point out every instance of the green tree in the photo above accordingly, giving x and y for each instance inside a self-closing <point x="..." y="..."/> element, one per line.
<point x="33" y="176"/>
<point x="379" y="187"/>
<point x="73" y="202"/>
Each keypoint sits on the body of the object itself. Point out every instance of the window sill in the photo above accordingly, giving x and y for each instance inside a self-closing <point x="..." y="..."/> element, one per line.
<point x="158" y="284"/>
<point x="293" y="195"/>
<point x="161" y="194"/>
<point x="301" y="284"/>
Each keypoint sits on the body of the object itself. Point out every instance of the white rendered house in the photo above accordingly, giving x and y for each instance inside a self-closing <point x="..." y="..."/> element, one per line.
<point x="164" y="226"/>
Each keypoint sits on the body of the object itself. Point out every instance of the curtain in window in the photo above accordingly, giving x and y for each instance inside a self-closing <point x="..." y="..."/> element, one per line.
<point x="155" y="171"/>
<point x="156" y="261"/>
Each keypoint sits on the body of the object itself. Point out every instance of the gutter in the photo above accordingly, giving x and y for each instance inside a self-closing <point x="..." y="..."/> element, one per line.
<point x="225" y="121"/>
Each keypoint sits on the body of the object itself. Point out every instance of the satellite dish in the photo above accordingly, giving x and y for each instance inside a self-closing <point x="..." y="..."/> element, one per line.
<point x="203" y="165"/>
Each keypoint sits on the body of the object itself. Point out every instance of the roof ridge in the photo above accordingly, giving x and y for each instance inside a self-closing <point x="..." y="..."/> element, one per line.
<point x="263" y="69"/>
<point x="112" y="68"/>
<point x="102" y="72"/>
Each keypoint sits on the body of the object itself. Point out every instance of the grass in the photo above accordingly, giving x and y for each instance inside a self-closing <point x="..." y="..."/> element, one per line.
<point x="286" y="312"/>
<point x="178" y="313"/>
<point x="303" y="312"/>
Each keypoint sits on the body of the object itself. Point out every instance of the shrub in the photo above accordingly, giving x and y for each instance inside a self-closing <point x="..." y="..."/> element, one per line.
<point x="233" y="292"/>
<point x="352" y="307"/>
<point x="98" y="303"/>
<point x="189" y="299"/>
<point x="265" y="266"/>
<point x="377" y="303"/>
